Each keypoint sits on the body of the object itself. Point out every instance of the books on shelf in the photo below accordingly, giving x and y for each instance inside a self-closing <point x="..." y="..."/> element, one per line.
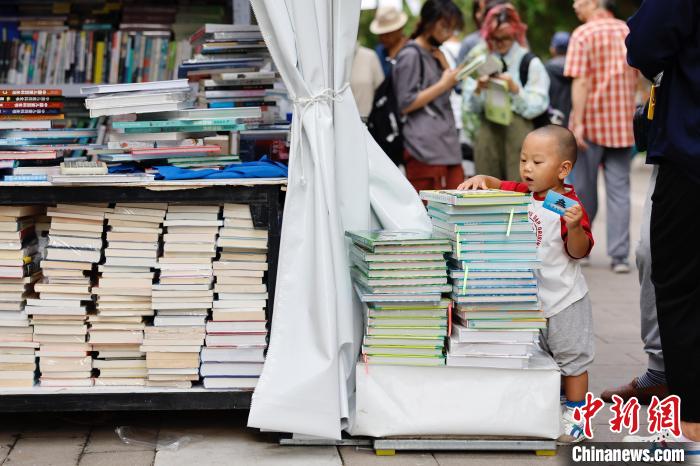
<point x="60" y="313"/>
<point x="237" y="332"/>
<point x="19" y="271"/>
<point x="402" y="275"/>
<point x="494" y="251"/>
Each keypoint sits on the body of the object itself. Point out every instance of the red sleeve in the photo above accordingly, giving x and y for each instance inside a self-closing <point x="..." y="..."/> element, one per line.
<point x="585" y="224"/>
<point x="514" y="186"/>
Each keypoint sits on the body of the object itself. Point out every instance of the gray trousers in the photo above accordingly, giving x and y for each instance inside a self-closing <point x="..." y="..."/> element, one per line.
<point x="616" y="168"/>
<point x="647" y="296"/>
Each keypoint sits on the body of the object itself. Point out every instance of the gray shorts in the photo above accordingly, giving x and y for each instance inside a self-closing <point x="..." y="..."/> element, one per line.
<point x="569" y="337"/>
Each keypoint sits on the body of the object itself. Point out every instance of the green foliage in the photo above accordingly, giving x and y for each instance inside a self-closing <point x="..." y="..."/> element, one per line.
<point x="543" y="17"/>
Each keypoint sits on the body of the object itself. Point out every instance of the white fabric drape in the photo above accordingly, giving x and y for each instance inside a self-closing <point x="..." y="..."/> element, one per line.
<point x="336" y="172"/>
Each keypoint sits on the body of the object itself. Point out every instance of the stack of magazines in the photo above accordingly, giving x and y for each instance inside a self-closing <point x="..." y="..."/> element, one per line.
<point x="402" y="276"/>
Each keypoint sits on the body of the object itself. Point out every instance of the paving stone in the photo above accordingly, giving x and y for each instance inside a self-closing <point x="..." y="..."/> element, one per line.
<point x="365" y="456"/>
<point x="105" y="439"/>
<point x="525" y="458"/>
<point x="121" y="458"/>
<point x="220" y="447"/>
<point x="46" y="451"/>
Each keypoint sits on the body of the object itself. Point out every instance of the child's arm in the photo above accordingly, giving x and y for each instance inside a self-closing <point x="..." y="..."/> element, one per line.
<point x="578" y="243"/>
<point x="480" y="182"/>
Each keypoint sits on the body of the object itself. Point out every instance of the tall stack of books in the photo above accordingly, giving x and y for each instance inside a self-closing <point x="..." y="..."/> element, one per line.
<point x="124" y="292"/>
<point x="19" y="270"/>
<point x="65" y="294"/>
<point x="237" y="333"/>
<point x="494" y="254"/>
<point x="182" y="298"/>
<point x="402" y="276"/>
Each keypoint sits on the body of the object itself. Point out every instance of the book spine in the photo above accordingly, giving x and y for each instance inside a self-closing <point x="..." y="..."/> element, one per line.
<point x="99" y="62"/>
<point x="30" y="111"/>
<point x="30" y="104"/>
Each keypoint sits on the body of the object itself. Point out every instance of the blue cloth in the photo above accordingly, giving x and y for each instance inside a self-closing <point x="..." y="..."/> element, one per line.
<point x="124" y="168"/>
<point x="263" y="168"/>
<point x="664" y="37"/>
<point x="383" y="59"/>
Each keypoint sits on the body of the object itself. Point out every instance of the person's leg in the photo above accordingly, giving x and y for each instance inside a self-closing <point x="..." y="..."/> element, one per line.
<point x="616" y="165"/>
<point x="420" y="175"/>
<point x="675" y="272"/>
<point x="569" y="339"/>
<point x="487" y="158"/>
<point x="585" y="178"/>
<point x="515" y="135"/>
<point x="653" y="382"/>
<point x="455" y="176"/>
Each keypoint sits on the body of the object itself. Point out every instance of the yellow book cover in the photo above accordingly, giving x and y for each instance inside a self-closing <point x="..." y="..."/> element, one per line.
<point x="99" y="62"/>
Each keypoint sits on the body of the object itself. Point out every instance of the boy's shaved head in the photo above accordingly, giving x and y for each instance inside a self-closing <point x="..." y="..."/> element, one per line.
<point x="565" y="139"/>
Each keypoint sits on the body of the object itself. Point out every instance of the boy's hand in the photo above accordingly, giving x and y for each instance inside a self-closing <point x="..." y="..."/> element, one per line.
<point x="573" y="217"/>
<point x="475" y="182"/>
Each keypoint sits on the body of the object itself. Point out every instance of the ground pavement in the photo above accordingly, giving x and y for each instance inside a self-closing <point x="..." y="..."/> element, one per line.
<point x="222" y="439"/>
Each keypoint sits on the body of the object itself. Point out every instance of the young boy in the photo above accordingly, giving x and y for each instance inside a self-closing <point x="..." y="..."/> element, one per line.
<point x="546" y="159"/>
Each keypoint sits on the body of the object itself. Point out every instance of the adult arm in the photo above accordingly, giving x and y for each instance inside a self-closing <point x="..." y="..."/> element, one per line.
<point x="579" y="95"/>
<point x="407" y="85"/>
<point x="658" y="30"/>
<point x="533" y="99"/>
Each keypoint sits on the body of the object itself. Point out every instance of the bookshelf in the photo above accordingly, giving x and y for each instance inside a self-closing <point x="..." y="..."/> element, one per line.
<point x="265" y="198"/>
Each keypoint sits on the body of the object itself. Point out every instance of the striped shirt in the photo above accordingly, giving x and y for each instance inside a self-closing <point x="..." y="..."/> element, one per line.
<point x="597" y="52"/>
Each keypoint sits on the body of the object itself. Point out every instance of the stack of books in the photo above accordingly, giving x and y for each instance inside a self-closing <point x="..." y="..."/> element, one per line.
<point x="494" y="254"/>
<point x="237" y="333"/>
<point x="29" y="146"/>
<point x="402" y="276"/>
<point x="19" y="265"/>
<point x="65" y="294"/>
<point x="124" y="292"/>
<point x="124" y="99"/>
<point x="184" y="138"/>
<point x="183" y="295"/>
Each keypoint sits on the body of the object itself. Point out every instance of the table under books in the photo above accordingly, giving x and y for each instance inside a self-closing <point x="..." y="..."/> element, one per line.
<point x="264" y="196"/>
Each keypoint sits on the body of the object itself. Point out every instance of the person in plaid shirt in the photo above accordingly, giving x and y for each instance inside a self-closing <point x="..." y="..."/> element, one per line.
<point x="603" y="103"/>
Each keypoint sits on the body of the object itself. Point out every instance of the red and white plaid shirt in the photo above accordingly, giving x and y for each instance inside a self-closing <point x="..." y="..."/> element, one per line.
<point x="597" y="51"/>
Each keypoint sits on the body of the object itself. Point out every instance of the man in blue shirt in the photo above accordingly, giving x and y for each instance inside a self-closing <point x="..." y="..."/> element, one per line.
<point x="665" y="38"/>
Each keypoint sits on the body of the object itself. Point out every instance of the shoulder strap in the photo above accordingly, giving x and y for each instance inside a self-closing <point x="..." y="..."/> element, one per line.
<point x="420" y="60"/>
<point x="525" y="67"/>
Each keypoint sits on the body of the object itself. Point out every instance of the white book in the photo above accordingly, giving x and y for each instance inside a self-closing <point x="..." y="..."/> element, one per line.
<point x="174" y="84"/>
<point x="242" y="354"/>
<point x="219" y="369"/>
<point x="230" y="382"/>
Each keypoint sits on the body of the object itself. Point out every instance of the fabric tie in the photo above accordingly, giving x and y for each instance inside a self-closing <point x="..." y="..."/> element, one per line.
<point x="327" y="95"/>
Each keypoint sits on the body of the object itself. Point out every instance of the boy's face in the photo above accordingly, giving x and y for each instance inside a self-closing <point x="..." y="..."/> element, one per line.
<point x="541" y="167"/>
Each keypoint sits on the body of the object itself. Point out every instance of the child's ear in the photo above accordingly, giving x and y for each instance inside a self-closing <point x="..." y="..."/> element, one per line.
<point x="565" y="169"/>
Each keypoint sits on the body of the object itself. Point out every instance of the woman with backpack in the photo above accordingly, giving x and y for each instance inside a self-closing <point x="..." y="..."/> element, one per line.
<point x="524" y="88"/>
<point x="422" y="82"/>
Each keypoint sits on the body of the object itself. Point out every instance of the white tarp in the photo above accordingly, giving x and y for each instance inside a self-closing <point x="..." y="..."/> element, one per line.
<point x="336" y="171"/>
<point x="396" y="400"/>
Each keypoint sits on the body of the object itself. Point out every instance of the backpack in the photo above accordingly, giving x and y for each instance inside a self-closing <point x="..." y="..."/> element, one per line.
<point x="542" y="119"/>
<point x="385" y="122"/>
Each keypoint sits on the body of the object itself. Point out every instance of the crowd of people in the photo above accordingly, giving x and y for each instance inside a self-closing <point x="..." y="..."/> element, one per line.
<point x="444" y="126"/>
<point x="583" y="101"/>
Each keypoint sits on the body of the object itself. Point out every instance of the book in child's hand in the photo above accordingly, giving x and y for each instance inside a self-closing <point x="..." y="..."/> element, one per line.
<point x="558" y="203"/>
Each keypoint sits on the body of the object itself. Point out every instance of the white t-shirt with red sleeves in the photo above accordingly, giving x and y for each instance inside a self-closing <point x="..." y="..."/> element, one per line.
<point x="560" y="282"/>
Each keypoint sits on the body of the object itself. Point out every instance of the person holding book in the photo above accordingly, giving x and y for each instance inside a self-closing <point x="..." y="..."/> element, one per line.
<point x="506" y="101"/>
<point x="548" y="156"/>
<point x="423" y="81"/>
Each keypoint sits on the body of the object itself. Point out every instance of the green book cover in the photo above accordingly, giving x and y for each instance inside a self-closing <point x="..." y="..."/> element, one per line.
<point x="497" y="107"/>
<point x="371" y="239"/>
